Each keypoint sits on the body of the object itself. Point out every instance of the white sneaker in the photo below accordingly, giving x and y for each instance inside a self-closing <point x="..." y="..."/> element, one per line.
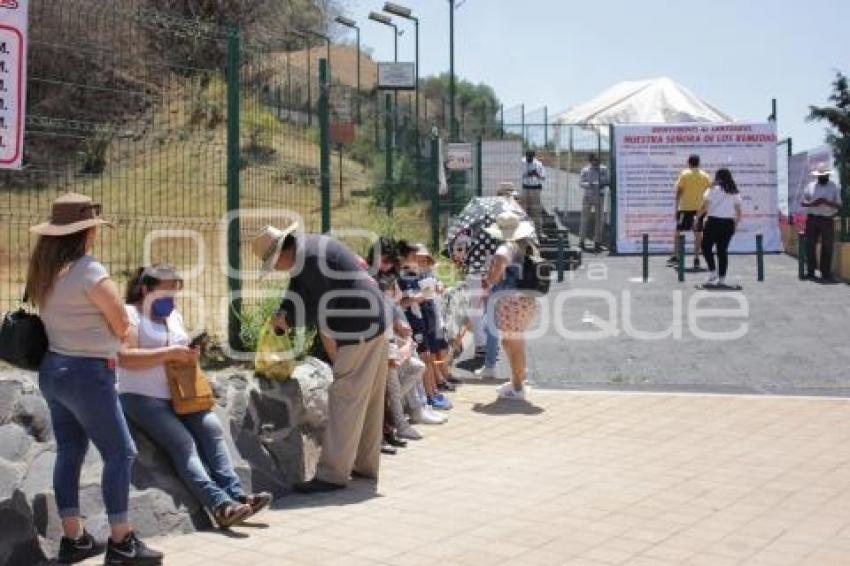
<point x="428" y="416"/>
<point x="712" y="278"/>
<point x="486" y="373"/>
<point x="507" y="391"/>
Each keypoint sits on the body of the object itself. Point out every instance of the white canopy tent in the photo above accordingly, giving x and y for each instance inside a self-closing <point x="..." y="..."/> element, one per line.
<point x="653" y="101"/>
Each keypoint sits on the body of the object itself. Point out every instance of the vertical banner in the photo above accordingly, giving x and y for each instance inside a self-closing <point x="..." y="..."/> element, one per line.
<point x="650" y="157"/>
<point x="13" y="81"/>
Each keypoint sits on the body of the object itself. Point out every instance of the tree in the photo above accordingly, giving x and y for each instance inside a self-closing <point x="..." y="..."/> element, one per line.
<point x="838" y="117"/>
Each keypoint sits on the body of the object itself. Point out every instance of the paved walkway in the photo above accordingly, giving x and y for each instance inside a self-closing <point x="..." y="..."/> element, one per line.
<point x="580" y="478"/>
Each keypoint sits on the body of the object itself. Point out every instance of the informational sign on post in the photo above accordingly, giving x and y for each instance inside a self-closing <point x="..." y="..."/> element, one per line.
<point x="13" y="81"/>
<point x="397" y="76"/>
<point x="459" y="157"/>
<point x="650" y="157"/>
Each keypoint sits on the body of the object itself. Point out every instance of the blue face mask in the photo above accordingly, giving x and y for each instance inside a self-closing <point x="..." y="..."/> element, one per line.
<point x="162" y="307"/>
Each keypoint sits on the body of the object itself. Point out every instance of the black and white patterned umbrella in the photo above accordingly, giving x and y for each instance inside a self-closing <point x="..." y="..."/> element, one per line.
<point x="468" y="228"/>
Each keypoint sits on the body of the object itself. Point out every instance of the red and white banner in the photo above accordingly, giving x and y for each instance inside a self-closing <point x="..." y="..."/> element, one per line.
<point x="13" y="81"/>
<point x="649" y="159"/>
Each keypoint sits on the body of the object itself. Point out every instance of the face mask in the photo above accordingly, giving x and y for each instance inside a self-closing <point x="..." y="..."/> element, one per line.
<point x="162" y="307"/>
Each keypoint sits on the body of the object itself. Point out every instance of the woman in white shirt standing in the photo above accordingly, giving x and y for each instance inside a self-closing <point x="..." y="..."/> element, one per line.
<point x="194" y="442"/>
<point x="722" y="207"/>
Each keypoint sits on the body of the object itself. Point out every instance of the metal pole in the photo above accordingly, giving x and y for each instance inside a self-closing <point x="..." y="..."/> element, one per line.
<point x="418" y="143"/>
<point x="435" y="193"/>
<point x="502" y="121"/>
<point x="452" y="123"/>
<point x="760" y="256"/>
<point x="522" y="121"/>
<point x="612" y="190"/>
<point x="561" y="256"/>
<point x="325" y="143"/>
<point x="359" y="114"/>
<point x="801" y="255"/>
<point x="681" y="257"/>
<point x="234" y="159"/>
<point x="341" y="189"/>
<point x="388" y="158"/>
<point x="545" y="127"/>
<point x="479" y="164"/>
<point x="646" y="258"/>
<point x="309" y="85"/>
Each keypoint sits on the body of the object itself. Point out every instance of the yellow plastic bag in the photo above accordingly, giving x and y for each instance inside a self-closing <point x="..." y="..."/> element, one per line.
<point x="275" y="358"/>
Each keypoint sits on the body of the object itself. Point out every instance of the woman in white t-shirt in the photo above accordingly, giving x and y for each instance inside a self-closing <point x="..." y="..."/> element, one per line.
<point x="195" y="443"/>
<point x="722" y="207"/>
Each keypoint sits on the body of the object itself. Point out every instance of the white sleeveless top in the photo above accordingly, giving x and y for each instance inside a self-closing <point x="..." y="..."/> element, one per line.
<point x="151" y="382"/>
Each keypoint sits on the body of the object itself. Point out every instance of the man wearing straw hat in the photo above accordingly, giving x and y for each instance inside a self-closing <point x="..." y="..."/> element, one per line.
<point x="821" y="199"/>
<point x="330" y="289"/>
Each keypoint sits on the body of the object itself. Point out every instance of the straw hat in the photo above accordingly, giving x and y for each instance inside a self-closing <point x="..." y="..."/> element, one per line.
<point x="509" y="228"/>
<point x="822" y="170"/>
<point x="423" y="251"/>
<point x="71" y="213"/>
<point x="267" y="245"/>
<point x="506" y="190"/>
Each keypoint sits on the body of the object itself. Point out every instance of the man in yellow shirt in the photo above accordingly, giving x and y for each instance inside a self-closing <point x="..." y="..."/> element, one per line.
<point x="690" y="187"/>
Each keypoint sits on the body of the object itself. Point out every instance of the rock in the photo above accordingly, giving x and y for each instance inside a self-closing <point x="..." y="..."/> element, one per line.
<point x="273" y="430"/>
<point x="34" y="415"/>
<point x="11" y="475"/>
<point x="14" y="442"/>
<point x="10" y="394"/>
<point x="19" y="542"/>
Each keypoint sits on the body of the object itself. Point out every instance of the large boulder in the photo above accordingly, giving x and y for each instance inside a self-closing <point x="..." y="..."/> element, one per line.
<point x="273" y="430"/>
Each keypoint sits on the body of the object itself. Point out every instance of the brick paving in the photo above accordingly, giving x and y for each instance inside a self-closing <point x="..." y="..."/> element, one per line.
<point x="579" y="478"/>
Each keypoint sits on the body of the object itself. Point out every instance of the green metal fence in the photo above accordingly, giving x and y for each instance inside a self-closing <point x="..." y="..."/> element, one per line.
<point x="172" y="125"/>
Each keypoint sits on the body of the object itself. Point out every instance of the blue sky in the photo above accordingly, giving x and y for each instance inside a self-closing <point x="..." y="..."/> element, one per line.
<point x="737" y="54"/>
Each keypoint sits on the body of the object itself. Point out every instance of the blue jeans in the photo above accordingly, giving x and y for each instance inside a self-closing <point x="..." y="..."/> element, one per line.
<point x="194" y="443"/>
<point x="491" y="356"/>
<point x="83" y="402"/>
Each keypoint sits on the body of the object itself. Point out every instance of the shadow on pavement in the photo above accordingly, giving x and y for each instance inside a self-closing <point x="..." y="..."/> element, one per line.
<point x="501" y="407"/>
<point x="357" y="491"/>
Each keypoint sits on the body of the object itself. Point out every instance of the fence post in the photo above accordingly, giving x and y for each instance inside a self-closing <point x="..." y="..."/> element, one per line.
<point x="435" y="193"/>
<point x="760" y="256"/>
<point x="234" y="165"/>
<point x="502" y="121"/>
<point x="561" y="256"/>
<point x="388" y="158"/>
<point x="545" y="127"/>
<point x="612" y="190"/>
<point x="479" y="164"/>
<point x="801" y="255"/>
<point x="646" y="258"/>
<point x="325" y="143"/>
<point x="681" y="256"/>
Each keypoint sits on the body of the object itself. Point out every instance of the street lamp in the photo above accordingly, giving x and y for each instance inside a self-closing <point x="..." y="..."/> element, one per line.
<point x="309" y="86"/>
<point x="387" y="21"/>
<point x="349" y="23"/>
<point x="407" y="14"/>
<point x="453" y="125"/>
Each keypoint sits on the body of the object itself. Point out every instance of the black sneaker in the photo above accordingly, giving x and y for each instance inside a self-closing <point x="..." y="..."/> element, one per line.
<point x="72" y="551"/>
<point x="672" y="260"/>
<point x="696" y="263"/>
<point x="131" y="551"/>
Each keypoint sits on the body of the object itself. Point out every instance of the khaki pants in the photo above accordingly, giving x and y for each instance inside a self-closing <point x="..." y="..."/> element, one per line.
<point x="532" y="206"/>
<point x="593" y="210"/>
<point x="352" y="440"/>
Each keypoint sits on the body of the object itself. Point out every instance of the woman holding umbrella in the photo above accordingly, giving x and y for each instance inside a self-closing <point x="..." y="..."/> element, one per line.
<point x="512" y="309"/>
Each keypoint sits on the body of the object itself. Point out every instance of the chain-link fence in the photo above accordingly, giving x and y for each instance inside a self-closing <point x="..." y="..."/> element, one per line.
<point x="176" y="125"/>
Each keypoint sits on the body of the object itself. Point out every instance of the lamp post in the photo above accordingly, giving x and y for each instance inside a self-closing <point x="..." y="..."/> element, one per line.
<point x="452" y="122"/>
<point x="309" y="86"/>
<point x="385" y="20"/>
<point x="323" y="37"/>
<point x="407" y="14"/>
<point x="349" y="23"/>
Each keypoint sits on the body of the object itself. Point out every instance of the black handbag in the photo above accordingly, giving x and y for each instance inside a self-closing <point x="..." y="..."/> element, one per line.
<point x="23" y="340"/>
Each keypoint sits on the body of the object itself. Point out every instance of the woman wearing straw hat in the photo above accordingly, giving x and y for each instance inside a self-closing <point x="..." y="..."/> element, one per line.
<point x="513" y="310"/>
<point x="85" y="321"/>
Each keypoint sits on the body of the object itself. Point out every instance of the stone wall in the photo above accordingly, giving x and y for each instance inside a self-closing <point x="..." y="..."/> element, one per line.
<point x="273" y="429"/>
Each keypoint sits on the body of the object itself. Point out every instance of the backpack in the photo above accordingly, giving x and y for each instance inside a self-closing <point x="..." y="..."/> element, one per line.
<point x="23" y="340"/>
<point x="537" y="273"/>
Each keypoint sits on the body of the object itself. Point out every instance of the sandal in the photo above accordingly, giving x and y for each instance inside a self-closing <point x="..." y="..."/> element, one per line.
<point x="257" y="501"/>
<point x="231" y="513"/>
